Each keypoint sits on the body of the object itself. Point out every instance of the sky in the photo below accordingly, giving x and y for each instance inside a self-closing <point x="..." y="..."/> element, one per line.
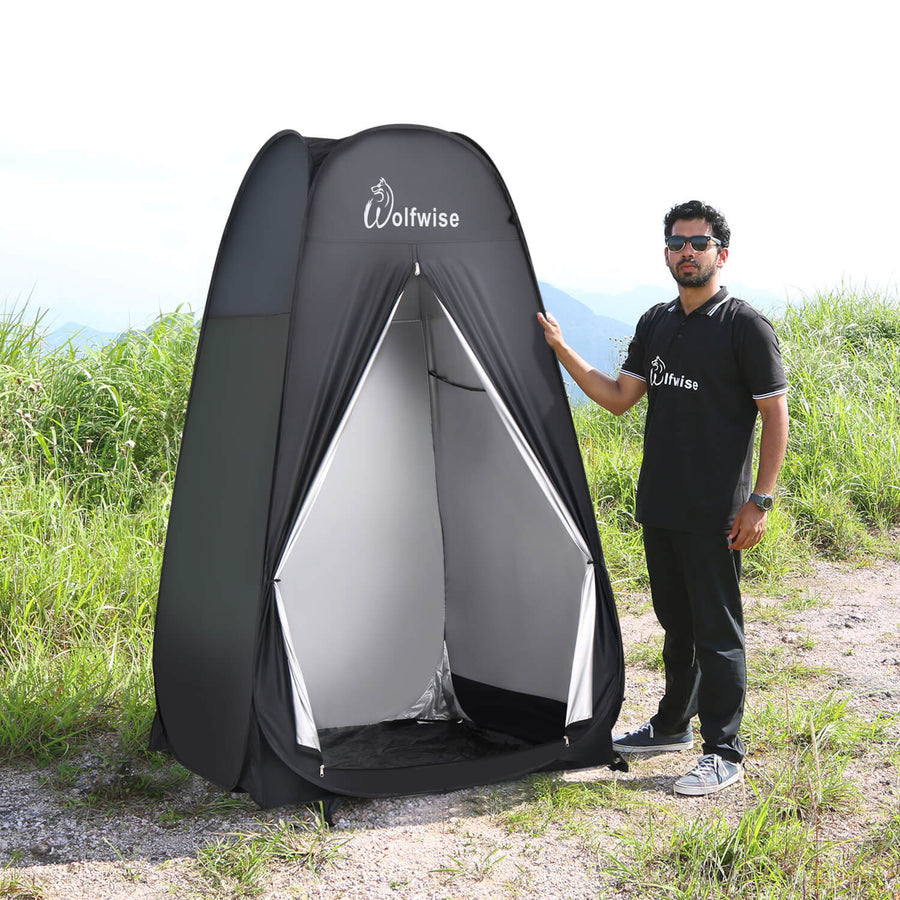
<point x="125" y="131"/>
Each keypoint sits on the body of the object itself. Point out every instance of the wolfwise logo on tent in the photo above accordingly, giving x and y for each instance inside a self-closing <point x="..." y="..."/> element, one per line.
<point x="659" y="377"/>
<point x="380" y="211"/>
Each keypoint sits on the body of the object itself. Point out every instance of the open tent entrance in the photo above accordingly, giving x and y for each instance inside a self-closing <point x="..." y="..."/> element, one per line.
<point x="436" y="600"/>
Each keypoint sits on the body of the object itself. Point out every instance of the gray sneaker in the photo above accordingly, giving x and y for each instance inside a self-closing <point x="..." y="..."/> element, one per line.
<point x="711" y="774"/>
<point x="647" y="740"/>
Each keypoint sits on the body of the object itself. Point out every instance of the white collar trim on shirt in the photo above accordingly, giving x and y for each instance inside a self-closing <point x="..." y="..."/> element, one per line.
<point x="711" y="311"/>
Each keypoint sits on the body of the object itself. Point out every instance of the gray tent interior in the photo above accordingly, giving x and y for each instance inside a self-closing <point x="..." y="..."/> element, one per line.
<point x="382" y="573"/>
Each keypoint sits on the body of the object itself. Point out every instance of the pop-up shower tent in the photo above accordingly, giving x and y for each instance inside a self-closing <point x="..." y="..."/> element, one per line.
<point x="382" y="572"/>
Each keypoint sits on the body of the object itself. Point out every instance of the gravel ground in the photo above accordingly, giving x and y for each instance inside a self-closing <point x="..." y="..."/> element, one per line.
<point x="87" y="827"/>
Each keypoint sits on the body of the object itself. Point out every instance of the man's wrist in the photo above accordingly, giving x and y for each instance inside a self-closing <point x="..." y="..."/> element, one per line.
<point x="764" y="501"/>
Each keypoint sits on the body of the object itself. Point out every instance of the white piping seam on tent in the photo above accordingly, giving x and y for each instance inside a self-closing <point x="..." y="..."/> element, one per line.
<point x="579" y="703"/>
<point x="319" y="480"/>
<point x="306" y="733"/>
<point x="540" y="476"/>
<point x="304" y="720"/>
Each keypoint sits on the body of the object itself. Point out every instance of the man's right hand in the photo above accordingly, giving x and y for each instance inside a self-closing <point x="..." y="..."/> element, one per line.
<point x="552" y="332"/>
<point x="617" y="395"/>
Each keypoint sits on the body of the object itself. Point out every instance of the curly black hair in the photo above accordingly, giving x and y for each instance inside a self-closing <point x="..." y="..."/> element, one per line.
<point x="696" y="209"/>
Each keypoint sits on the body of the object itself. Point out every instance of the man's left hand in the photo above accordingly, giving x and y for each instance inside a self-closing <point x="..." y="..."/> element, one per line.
<point x="749" y="527"/>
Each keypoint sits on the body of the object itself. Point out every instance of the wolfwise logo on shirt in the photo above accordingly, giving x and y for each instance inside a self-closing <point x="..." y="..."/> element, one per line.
<point x="380" y="212"/>
<point x="660" y="377"/>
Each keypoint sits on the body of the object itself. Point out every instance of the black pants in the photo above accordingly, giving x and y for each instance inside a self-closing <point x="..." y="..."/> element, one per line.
<point x="694" y="580"/>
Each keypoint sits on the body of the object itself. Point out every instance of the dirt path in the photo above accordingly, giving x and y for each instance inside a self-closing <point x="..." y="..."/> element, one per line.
<point x="86" y="827"/>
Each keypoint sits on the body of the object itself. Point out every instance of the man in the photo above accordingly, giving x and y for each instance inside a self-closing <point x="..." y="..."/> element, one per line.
<point x="710" y="364"/>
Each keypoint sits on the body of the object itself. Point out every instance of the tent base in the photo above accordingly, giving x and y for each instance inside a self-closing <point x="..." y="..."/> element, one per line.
<point x="267" y="780"/>
<point x="389" y="759"/>
<point x="392" y="745"/>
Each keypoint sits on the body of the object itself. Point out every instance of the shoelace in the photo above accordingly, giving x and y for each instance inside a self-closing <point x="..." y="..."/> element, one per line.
<point x="705" y="764"/>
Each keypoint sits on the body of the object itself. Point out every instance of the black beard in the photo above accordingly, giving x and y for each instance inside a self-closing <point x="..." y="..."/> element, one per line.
<point x="700" y="278"/>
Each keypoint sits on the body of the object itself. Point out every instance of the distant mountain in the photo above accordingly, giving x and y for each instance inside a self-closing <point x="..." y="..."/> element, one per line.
<point x="601" y="340"/>
<point x="81" y="337"/>
<point x="765" y="301"/>
<point x="627" y="306"/>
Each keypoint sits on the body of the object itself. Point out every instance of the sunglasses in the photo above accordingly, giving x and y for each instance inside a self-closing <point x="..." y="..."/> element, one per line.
<point x="699" y="242"/>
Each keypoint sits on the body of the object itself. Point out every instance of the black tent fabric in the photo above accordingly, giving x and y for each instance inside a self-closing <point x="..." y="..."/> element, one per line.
<point x="382" y="572"/>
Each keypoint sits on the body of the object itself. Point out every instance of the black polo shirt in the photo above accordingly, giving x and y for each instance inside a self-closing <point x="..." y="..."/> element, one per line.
<point x="704" y="372"/>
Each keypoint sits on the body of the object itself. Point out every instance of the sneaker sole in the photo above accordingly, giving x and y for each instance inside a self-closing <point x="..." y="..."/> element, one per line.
<point x="658" y="748"/>
<point x="698" y="790"/>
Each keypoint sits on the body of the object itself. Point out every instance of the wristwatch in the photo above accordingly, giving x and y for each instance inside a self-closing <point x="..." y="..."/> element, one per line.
<point x="764" y="501"/>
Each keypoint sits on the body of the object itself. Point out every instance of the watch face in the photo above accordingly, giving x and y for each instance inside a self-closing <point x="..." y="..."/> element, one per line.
<point x="764" y="501"/>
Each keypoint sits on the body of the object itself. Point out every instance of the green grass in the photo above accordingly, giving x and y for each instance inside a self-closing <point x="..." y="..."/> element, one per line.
<point x="769" y="851"/>
<point x="778" y="842"/>
<point x="477" y="868"/>
<point x="121" y="780"/>
<point x="842" y="472"/>
<point x="241" y="863"/>
<point x="611" y="450"/>
<point x="12" y="887"/>
<point x="647" y="655"/>
<point x="88" y="446"/>
<point x="554" y="801"/>
<point x="106" y="423"/>
<point x="787" y="722"/>
<point x="771" y="667"/>
<point x="706" y="856"/>
<point x="76" y="616"/>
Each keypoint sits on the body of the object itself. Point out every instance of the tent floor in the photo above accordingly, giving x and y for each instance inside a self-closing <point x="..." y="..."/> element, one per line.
<point x="389" y="745"/>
